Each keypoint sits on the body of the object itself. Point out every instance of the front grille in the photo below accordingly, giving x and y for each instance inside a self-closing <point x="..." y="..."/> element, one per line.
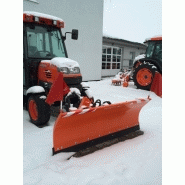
<point x="48" y="73"/>
<point x="73" y="81"/>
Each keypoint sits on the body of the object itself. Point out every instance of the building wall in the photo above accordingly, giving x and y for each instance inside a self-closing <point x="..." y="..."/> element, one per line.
<point x="127" y="55"/>
<point x="87" y="17"/>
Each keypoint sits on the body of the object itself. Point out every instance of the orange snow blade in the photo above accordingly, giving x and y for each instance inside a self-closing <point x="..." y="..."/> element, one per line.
<point x="85" y="102"/>
<point x="75" y="128"/>
<point x="156" y="86"/>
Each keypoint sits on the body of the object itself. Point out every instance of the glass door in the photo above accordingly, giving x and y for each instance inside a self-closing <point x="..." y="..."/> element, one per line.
<point x="111" y="57"/>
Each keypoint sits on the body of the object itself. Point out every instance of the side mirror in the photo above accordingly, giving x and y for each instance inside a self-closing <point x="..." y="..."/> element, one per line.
<point x="74" y="34"/>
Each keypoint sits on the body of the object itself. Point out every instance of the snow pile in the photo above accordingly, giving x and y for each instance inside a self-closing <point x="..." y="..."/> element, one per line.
<point x="85" y="85"/>
<point x="43" y="97"/>
<point x="74" y="90"/>
<point x="139" y="57"/>
<point x="35" y="89"/>
<point x="118" y="76"/>
<point x="135" y="161"/>
<point x="64" y="62"/>
<point x="89" y="93"/>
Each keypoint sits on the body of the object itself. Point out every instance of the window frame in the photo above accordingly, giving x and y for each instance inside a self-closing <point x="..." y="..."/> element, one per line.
<point x="133" y="54"/>
<point x="112" y="55"/>
<point x="26" y="25"/>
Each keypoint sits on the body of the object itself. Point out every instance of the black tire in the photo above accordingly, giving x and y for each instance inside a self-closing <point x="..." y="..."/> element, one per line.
<point x="146" y="79"/>
<point x="43" y="110"/>
<point x="24" y="102"/>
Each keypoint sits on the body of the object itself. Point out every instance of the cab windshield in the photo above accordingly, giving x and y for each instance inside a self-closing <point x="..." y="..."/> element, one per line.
<point x="44" y="42"/>
<point x="158" y="51"/>
<point x="150" y="49"/>
<point x="154" y="50"/>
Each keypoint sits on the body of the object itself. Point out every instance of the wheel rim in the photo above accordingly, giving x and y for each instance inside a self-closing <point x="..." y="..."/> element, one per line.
<point x="144" y="77"/>
<point x="33" y="110"/>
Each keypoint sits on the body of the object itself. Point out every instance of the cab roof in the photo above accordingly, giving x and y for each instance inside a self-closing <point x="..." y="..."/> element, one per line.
<point x="155" y="38"/>
<point x="29" y="16"/>
<point x="37" y="14"/>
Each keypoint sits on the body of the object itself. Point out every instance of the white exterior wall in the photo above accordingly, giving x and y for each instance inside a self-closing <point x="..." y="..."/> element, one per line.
<point x="127" y="56"/>
<point x="87" y="17"/>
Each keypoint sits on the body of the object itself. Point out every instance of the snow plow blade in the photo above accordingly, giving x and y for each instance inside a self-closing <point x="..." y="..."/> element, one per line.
<point x="78" y="128"/>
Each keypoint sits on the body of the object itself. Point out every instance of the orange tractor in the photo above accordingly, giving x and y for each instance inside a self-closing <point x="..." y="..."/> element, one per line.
<point x="50" y="78"/>
<point x="147" y="68"/>
<point x="44" y="57"/>
<point x="144" y="69"/>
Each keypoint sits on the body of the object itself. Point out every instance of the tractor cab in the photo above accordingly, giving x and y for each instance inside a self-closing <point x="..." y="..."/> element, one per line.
<point x="154" y="48"/>
<point x="44" y="48"/>
<point x="44" y="42"/>
<point x="145" y="66"/>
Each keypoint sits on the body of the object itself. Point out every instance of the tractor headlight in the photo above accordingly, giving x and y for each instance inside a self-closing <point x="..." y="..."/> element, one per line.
<point x="64" y="70"/>
<point x="76" y="70"/>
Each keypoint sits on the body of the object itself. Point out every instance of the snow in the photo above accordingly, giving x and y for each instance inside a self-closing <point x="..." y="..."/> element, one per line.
<point x="156" y="36"/>
<point x="35" y="89"/>
<point x="43" y="97"/>
<point x="74" y="90"/>
<point x="139" y="57"/>
<point x="85" y="85"/>
<point x="37" y="14"/>
<point x="45" y="61"/>
<point x="64" y="62"/>
<point x="89" y="93"/>
<point x="117" y="77"/>
<point x="133" y="162"/>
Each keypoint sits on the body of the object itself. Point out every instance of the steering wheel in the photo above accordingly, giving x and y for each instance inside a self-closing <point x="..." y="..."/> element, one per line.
<point x="42" y="53"/>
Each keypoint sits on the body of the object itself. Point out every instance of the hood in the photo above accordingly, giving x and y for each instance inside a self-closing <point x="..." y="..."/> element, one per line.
<point x="62" y="62"/>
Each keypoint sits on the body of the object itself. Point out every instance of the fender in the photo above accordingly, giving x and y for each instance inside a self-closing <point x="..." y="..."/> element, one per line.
<point x="157" y="63"/>
<point x="35" y="90"/>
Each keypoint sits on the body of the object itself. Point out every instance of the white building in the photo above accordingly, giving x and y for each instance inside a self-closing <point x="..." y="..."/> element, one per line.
<point x="87" y="17"/>
<point x="119" y="54"/>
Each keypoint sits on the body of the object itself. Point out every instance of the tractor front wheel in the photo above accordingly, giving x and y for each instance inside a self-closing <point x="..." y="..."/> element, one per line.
<point x="143" y="76"/>
<point x="39" y="111"/>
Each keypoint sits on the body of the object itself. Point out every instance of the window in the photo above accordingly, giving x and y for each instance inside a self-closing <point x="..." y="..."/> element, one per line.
<point x="111" y="57"/>
<point x="158" y="51"/>
<point x="150" y="49"/>
<point x="132" y="59"/>
<point x="44" y="42"/>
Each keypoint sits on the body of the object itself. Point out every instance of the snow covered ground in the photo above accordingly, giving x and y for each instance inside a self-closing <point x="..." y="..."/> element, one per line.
<point x="132" y="162"/>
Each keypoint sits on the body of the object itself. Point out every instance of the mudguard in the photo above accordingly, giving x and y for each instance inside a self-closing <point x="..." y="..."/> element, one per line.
<point x="81" y="126"/>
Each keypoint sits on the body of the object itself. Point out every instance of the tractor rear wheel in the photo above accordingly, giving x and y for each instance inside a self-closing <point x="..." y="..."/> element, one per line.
<point x="39" y="111"/>
<point x="143" y="75"/>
